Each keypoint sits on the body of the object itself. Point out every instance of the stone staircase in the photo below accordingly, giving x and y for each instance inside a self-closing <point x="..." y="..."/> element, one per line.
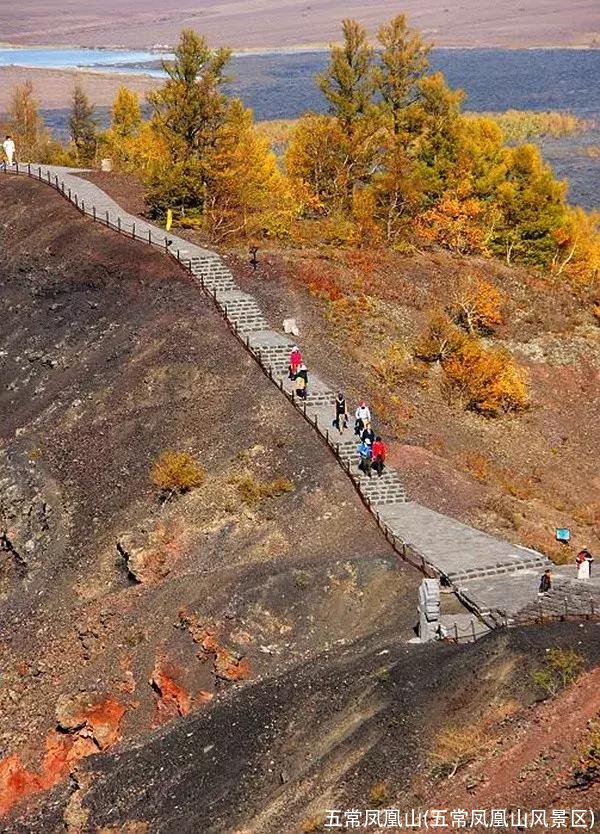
<point x="213" y="274"/>
<point x="490" y="574"/>
<point x="242" y="310"/>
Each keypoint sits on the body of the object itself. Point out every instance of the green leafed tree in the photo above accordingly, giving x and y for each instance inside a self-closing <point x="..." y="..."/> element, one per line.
<point x="403" y="60"/>
<point x="82" y="126"/>
<point x="187" y="112"/>
<point x="191" y="105"/>
<point x="347" y="84"/>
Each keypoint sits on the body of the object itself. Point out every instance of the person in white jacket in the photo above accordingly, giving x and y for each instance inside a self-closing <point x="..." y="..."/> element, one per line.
<point x="9" y="149"/>
<point x="361" y="417"/>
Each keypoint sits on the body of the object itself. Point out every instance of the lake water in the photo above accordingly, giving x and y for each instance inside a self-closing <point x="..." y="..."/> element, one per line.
<point x="281" y="85"/>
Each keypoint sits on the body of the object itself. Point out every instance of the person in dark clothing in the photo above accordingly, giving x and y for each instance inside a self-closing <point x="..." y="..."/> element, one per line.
<point x="546" y="581"/>
<point x="302" y="382"/>
<point x="341" y="414"/>
<point x="379" y="453"/>
<point x="368" y="433"/>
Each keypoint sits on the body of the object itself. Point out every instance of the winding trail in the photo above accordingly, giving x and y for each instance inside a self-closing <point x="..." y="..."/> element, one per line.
<point x="494" y="578"/>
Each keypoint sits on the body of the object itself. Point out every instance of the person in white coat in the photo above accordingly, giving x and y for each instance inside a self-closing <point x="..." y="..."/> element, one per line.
<point x="9" y="149"/>
<point x="362" y="416"/>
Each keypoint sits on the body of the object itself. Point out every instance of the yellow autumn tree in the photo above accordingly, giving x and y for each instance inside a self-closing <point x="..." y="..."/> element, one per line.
<point x="487" y="380"/>
<point x="317" y="160"/>
<point x="577" y="257"/>
<point x="245" y="193"/>
<point x="126" y="113"/>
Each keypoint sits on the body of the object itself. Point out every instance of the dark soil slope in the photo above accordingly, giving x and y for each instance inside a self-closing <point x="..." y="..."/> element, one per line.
<point x="119" y="613"/>
<point x="353" y="729"/>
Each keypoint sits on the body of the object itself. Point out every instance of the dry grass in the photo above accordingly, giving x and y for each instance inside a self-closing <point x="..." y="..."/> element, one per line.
<point x="455" y="747"/>
<point x="252" y="490"/>
<point x="521" y="125"/>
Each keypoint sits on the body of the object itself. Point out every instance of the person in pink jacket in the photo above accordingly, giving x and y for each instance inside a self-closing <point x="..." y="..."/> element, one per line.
<point x="295" y="361"/>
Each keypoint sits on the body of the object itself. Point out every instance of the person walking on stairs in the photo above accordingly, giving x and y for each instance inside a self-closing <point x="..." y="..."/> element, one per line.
<point x="379" y="453"/>
<point x="301" y="378"/>
<point x="9" y="149"/>
<point x="366" y="456"/>
<point x="341" y="415"/>
<point x="368" y="433"/>
<point x="295" y="362"/>
<point x="546" y="582"/>
<point x="362" y="416"/>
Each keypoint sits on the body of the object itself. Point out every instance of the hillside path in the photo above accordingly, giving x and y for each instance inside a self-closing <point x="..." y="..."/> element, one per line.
<point x="494" y="578"/>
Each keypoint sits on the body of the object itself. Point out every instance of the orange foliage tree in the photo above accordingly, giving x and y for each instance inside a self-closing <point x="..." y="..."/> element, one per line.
<point x="477" y="305"/>
<point x="456" y="224"/>
<point x="486" y="379"/>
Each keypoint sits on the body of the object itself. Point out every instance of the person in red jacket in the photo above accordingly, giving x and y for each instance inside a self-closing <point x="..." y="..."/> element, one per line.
<point x="295" y="361"/>
<point x="379" y="452"/>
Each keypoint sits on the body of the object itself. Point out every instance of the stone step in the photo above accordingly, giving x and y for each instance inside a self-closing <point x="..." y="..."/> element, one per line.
<point x="500" y="567"/>
<point x="319" y="398"/>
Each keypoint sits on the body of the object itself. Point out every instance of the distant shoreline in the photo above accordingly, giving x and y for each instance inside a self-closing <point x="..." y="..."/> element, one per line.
<point x="286" y="50"/>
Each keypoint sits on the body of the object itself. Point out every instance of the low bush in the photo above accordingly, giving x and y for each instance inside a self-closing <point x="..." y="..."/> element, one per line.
<point x="486" y="379"/>
<point x="174" y="472"/>
<point x="477" y="305"/>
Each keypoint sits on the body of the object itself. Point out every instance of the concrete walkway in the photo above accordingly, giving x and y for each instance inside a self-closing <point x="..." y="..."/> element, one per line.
<point x="494" y="578"/>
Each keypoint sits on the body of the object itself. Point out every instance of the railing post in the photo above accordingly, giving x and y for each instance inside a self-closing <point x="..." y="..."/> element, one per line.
<point x="48" y="176"/>
<point x="94" y="212"/>
<point x="178" y="258"/>
<point x="119" y="222"/>
<point x="28" y="168"/>
<point x="76" y="202"/>
<point x="107" y="220"/>
<point x="149" y="237"/>
<point x="70" y="200"/>
<point x="473" y="629"/>
<point x="56" y="181"/>
<point x="133" y="231"/>
<point x="455" y="632"/>
<point x="39" y="173"/>
<point x="166" y="244"/>
<point x="83" y="206"/>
